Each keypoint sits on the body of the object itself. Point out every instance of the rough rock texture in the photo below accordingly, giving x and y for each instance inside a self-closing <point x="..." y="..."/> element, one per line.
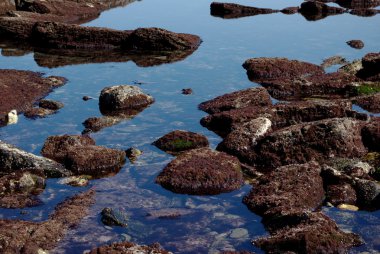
<point x="96" y="161"/>
<point x="290" y="10"/>
<point x="34" y="113"/>
<point x="313" y="233"/>
<point x="371" y="67"/>
<point x="129" y="248"/>
<point x="368" y="194"/>
<point x="178" y="141"/>
<point x="12" y="159"/>
<point x="122" y="97"/>
<point x="370" y="103"/>
<point x="357" y="44"/>
<point x="358" y="4"/>
<point x="334" y="60"/>
<point x="313" y="10"/>
<point x="371" y="135"/>
<point x="341" y="194"/>
<point x="94" y="124"/>
<point x="201" y="172"/>
<point x="19" y="189"/>
<point x="230" y="10"/>
<point x="57" y="147"/>
<point x="50" y="104"/>
<point x="19" y="236"/>
<point x="309" y="141"/>
<point x="256" y="96"/>
<point x="274" y="68"/>
<point x="288" y="189"/>
<point x="114" y="217"/>
<point x="21" y="89"/>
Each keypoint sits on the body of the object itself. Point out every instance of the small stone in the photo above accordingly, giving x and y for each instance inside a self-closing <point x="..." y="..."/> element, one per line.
<point x="357" y="44"/>
<point x="86" y="98"/>
<point x="239" y="233"/>
<point x="132" y="153"/>
<point x="50" y="104"/>
<point x="348" y="207"/>
<point x="114" y="217"/>
<point x="187" y="91"/>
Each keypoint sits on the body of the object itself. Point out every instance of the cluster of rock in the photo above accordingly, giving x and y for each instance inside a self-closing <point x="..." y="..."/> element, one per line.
<point x="308" y="150"/>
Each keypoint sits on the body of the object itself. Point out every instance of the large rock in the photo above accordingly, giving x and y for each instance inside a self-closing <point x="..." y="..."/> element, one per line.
<point x="256" y="96"/>
<point x="230" y="10"/>
<point x="123" y="97"/>
<point x="129" y="248"/>
<point x="18" y="236"/>
<point x="371" y="135"/>
<point x="94" y="124"/>
<point x="371" y="67"/>
<point x="368" y="194"/>
<point x="314" y="10"/>
<point x="202" y="172"/>
<point x="289" y="189"/>
<point x="178" y="141"/>
<point x="12" y="159"/>
<point x="370" y="103"/>
<point x="313" y="233"/>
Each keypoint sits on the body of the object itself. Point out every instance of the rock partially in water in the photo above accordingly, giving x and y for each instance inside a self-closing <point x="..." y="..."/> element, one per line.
<point x="123" y="97"/>
<point x="356" y="44"/>
<point x="202" y="172"/>
<point x="187" y="91"/>
<point x="129" y="248"/>
<point x="94" y="124"/>
<point x="178" y="141"/>
<point x="34" y="113"/>
<point x="168" y="213"/>
<point x="50" y="104"/>
<point x="313" y="10"/>
<point x="256" y="96"/>
<point x="368" y="193"/>
<point x="358" y="4"/>
<point x="371" y="67"/>
<point x="76" y="181"/>
<point x="230" y="10"/>
<point x="370" y="103"/>
<point x="28" y="237"/>
<point x="334" y="60"/>
<point x="371" y="135"/>
<point x="341" y="194"/>
<point x="313" y="233"/>
<point x="13" y="159"/>
<point x="57" y="147"/>
<point x="114" y="217"/>
<point x="133" y="153"/>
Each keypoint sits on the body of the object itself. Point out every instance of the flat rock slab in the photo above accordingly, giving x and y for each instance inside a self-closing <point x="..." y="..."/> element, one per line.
<point x="21" y="89"/>
<point x="129" y="248"/>
<point x="202" y="172"/>
<point x="178" y="141"/>
<point x="29" y="237"/>
<point x="230" y="10"/>
<point x="256" y="96"/>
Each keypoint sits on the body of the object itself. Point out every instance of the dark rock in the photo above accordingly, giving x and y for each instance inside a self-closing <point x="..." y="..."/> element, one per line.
<point x="50" y="104"/>
<point x="178" y="141"/>
<point x="365" y="12"/>
<point x="356" y="44"/>
<point x="368" y="194"/>
<point x="370" y="103"/>
<point x="341" y="194"/>
<point x="94" y="124"/>
<point x="133" y="153"/>
<point x="187" y="91"/>
<point x="202" y="172"/>
<point x="6" y="6"/>
<point x="21" y="89"/>
<point x="12" y="159"/>
<point x="371" y="67"/>
<point x="313" y="10"/>
<point x="27" y="237"/>
<point x="128" y="247"/>
<point x="114" y="217"/>
<point x="34" y="113"/>
<point x="86" y="98"/>
<point x="96" y="161"/>
<point x="275" y="68"/>
<point x="358" y="4"/>
<point x="256" y="96"/>
<point x="168" y="213"/>
<point x="230" y="10"/>
<point x="290" y="10"/>
<point x="315" y="233"/>
<point x="371" y="135"/>
<point x="288" y="189"/>
<point x="57" y="147"/>
<point x="123" y="97"/>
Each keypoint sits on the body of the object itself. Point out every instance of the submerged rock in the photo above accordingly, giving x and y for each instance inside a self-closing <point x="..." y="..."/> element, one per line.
<point x="94" y="124"/>
<point x="133" y="153"/>
<point x="114" y="217"/>
<point x="50" y="104"/>
<point x="201" y="172"/>
<point x="230" y="10"/>
<point x="178" y="141"/>
<point x="256" y="96"/>
<point x="187" y="91"/>
<point x="128" y="247"/>
<point x="12" y="159"/>
<point x="357" y="44"/>
<point x="168" y="213"/>
<point x="34" y="113"/>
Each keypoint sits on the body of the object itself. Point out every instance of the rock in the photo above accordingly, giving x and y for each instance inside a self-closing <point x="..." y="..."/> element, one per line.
<point x="371" y="135"/>
<point x="364" y="12"/>
<point x="315" y="233"/>
<point x="86" y="98"/>
<point x="44" y="235"/>
<point x="313" y="10"/>
<point x="114" y="217"/>
<point x="288" y="189"/>
<point x="341" y="194"/>
<point x="356" y="44"/>
<point x="11" y="117"/>
<point x="371" y="67"/>
<point x="34" y="113"/>
<point x="123" y="97"/>
<point x="12" y="159"/>
<point x="201" y="172"/>
<point x="290" y="10"/>
<point x="348" y="207"/>
<point x="178" y="141"/>
<point x="158" y="39"/>
<point x="128" y="247"/>
<point x="76" y="181"/>
<point x="275" y="68"/>
<point x="256" y="96"/>
<point x="368" y="194"/>
<point x="334" y="60"/>
<point x="50" y="104"/>
<point x="21" y="89"/>
<point x="230" y="10"/>
<point x="6" y="6"/>
<point x="320" y="140"/>
<point x="168" y="213"/>
<point x="358" y="4"/>
<point x="57" y="147"/>
<point x="238" y="233"/>
<point x="95" y="124"/>
<point x="351" y="68"/>
<point x="370" y="103"/>
<point x="187" y="91"/>
<point x="93" y="160"/>
<point x="133" y="153"/>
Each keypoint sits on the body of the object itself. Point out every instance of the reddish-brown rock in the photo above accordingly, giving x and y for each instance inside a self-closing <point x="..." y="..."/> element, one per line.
<point x="313" y="10"/>
<point x="202" y="172"/>
<point x="371" y="134"/>
<point x="370" y="103"/>
<point x="178" y="141"/>
<point x="341" y="194"/>
<point x="129" y="248"/>
<point x="371" y="67"/>
<point x="255" y="96"/>
<point x="230" y="10"/>
<point x="357" y="44"/>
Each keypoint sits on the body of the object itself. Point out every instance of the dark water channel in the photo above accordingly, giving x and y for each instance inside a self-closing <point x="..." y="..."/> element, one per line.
<point x="212" y="70"/>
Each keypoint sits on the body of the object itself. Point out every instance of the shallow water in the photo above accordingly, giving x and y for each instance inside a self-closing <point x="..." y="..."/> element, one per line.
<point x="212" y="70"/>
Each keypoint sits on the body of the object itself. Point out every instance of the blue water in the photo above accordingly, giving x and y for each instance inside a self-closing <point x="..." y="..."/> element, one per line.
<point x="212" y="70"/>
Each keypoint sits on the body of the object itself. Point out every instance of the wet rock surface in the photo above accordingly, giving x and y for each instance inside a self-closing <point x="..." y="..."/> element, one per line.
<point x="35" y="113"/>
<point x="230" y="10"/>
<point x="357" y="44"/>
<point x="94" y="124"/>
<point x="371" y="67"/>
<point x="128" y="247"/>
<point x="178" y="141"/>
<point x="31" y="237"/>
<point x="114" y="217"/>
<point x="201" y="172"/>
<point x="313" y="10"/>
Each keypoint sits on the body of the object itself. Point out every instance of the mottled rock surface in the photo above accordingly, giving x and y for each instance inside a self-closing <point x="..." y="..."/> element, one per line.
<point x="371" y="135"/>
<point x="230" y="10"/>
<point x="178" y="141"/>
<point x="129" y="248"/>
<point x="357" y="44"/>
